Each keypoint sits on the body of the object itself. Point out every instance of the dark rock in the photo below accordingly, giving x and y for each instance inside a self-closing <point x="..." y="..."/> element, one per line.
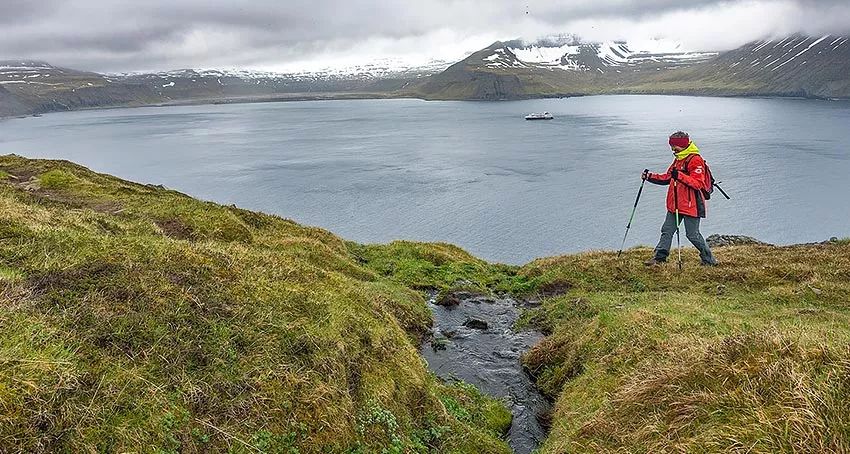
<point x="482" y="299"/>
<point x="449" y="300"/>
<point x="474" y="323"/>
<point x="531" y="303"/>
<point x="454" y="298"/>
<point x="733" y="240"/>
<point x="438" y="344"/>
<point x="463" y="294"/>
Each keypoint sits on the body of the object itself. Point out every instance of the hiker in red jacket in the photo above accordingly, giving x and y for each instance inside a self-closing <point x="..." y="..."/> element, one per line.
<point x="687" y="179"/>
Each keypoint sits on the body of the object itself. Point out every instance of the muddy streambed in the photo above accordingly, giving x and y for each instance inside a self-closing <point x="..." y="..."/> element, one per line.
<point x="474" y="341"/>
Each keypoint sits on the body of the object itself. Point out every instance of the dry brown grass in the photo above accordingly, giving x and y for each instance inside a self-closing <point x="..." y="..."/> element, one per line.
<point x="752" y="356"/>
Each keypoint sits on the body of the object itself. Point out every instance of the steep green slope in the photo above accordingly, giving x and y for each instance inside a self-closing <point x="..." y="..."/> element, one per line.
<point x="134" y="318"/>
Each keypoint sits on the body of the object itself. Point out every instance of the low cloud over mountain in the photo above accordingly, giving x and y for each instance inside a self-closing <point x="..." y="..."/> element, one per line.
<point x="125" y="35"/>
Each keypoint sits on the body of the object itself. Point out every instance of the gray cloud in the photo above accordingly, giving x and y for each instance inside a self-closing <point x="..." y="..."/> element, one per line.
<point x="160" y="34"/>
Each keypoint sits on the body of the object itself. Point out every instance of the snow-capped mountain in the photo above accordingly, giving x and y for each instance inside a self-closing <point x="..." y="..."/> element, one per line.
<point x="375" y="70"/>
<point x="33" y="87"/>
<point x="572" y="54"/>
<point x="25" y="72"/>
<point x="794" y="66"/>
<point x="183" y="83"/>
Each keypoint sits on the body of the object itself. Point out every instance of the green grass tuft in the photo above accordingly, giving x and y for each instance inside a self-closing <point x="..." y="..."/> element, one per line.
<point x="57" y="179"/>
<point x="437" y="266"/>
<point x="9" y="274"/>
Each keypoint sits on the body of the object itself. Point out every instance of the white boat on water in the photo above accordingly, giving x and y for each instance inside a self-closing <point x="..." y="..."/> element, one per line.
<point x="539" y="116"/>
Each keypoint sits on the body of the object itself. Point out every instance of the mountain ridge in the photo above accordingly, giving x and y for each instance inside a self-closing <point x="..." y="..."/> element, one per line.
<point x="503" y="72"/>
<point x="794" y="66"/>
<point x="34" y="87"/>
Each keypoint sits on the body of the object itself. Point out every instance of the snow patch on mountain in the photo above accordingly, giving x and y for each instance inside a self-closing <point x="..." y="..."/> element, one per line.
<point x="788" y="53"/>
<point x="374" y="70"/>
<point x="24" y="65"/>
<point x="571" y="54"/>
<point x="545" y="55"/>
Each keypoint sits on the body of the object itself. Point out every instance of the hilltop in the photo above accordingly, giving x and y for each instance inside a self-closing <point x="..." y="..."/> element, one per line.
<point x="137" y="318"/>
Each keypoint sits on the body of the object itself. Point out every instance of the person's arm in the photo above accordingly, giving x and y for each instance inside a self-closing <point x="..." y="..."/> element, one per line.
<point x="662" y="179"/>
<point x="695" y="177"/>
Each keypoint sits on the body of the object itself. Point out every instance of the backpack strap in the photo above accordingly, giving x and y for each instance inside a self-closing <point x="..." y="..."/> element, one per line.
<point x="698" y="192"/>
<point x="686" y="164"/>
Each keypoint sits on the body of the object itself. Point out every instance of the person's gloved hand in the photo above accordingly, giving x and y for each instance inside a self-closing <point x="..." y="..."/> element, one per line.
<point x="645" y="174"/>
<point x="674" y="174"/>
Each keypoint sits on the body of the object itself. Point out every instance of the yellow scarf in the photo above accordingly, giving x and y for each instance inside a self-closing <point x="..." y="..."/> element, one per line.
<point x="692" y="149"/>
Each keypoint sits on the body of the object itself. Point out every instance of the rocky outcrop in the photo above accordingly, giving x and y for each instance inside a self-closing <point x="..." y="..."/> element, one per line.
<point x="733" y="240"/>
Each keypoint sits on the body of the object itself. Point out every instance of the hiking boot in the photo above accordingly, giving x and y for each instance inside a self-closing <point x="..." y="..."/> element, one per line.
<point x="654" y="262"/>
<point x="708" y="264"/>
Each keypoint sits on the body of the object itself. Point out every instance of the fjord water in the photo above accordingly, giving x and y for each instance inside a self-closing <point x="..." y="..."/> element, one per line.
<point x="476" y="174"/>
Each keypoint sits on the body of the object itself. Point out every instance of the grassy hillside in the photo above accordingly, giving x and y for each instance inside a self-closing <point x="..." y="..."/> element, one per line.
<point x="136" y="319"/>
<point x="751" y="356"/>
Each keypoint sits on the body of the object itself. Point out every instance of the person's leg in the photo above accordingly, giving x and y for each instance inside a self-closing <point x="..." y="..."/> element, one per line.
<point x="662" y="250"/>
<point x="695" y="237"/>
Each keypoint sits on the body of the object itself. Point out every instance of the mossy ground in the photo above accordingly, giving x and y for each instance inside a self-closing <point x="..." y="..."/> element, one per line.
<point x="134" y="318"/>
<point x="137" y="319"/>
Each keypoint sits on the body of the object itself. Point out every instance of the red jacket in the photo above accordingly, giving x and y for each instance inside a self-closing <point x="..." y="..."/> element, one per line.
<point x="689" y="185"/>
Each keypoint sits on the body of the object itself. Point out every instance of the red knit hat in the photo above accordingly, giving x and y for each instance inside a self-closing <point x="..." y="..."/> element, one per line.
<point x="682" y="142"/>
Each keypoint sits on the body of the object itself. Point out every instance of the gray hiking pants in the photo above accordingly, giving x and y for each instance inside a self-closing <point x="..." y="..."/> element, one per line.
<point x="668" y="229"/>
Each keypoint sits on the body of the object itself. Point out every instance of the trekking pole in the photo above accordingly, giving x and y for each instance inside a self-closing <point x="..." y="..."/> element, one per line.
<point x="678" y="236"/>
<point x="631" y="218"/>
<point x="717" y="185"/>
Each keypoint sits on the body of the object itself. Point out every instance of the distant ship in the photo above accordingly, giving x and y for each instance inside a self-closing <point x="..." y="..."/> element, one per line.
<point x="539" y="116"/>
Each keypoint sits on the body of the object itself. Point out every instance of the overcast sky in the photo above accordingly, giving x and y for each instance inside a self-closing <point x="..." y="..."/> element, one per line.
<point x="132" y="35"/>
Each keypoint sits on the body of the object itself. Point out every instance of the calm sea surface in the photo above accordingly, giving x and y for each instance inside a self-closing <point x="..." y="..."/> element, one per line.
<point x="476" y="174"/>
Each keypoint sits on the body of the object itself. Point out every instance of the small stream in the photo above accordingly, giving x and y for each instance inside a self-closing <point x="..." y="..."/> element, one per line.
<point x="474" y="341"/>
